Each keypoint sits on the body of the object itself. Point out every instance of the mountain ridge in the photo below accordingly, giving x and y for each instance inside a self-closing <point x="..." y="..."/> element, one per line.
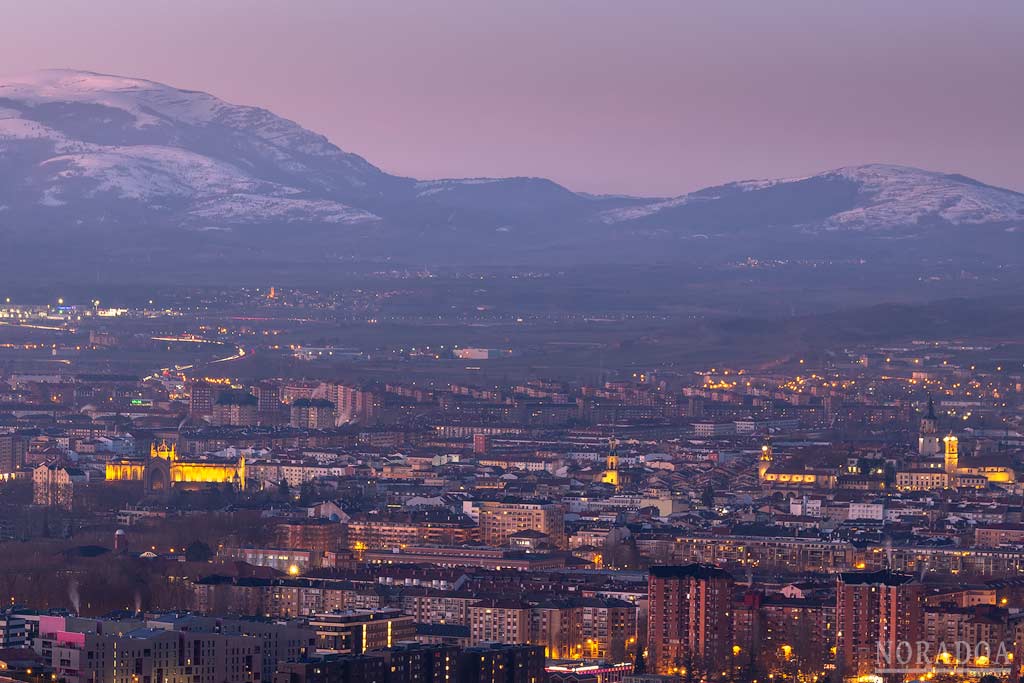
<point x="83" y="151"/>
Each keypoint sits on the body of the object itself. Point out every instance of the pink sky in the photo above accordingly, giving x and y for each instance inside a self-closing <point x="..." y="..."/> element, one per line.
<point x="634" y="96"/>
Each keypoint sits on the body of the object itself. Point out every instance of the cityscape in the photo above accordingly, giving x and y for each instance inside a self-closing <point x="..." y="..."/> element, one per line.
<point x="362" y="511"/>
<point x="271" y="413"/>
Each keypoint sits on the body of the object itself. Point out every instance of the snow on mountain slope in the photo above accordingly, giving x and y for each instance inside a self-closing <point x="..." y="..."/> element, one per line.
<point x="879" y="197"/>
<point x="898" y="195"/>
<point x="95" y="139"/>
<point x="239" y="207"/>
<point x="13" y="128"/>
<point x="81" y="150"/>
<point x="154" y="104"/>
<point x="146" y="172"/>
<point x="631" y="213"/>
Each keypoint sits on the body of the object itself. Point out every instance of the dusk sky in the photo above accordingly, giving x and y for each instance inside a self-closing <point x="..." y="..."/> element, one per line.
<point x="634" y="96"/>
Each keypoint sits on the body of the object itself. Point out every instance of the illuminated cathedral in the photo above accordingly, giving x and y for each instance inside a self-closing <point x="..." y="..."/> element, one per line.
<point x="164" y="469"/>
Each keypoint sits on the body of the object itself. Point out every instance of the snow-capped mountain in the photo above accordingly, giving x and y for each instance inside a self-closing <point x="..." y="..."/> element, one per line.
<point x="897" y="195"/>
<point x="94" y="142"/>
<point x="141" y="163"/>
<point x="874" y="197"/>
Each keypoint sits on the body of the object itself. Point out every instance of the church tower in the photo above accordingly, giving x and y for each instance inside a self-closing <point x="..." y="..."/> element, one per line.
<point x="929" y="443"/>
<point x="765" y="461"/>
<point x="952" y="454"/>
<point x="611" y="469"/>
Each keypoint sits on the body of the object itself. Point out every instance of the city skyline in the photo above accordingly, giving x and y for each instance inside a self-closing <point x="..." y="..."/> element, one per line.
<point x="588" y="341"/>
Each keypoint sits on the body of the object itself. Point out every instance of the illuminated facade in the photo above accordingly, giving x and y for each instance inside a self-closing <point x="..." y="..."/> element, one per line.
<point x="952" y="453"/>
<point x="974" y="474"/>
<point x="922" y="479"/>
<point x="952" y="472"/>
<point x="765" y="461"/>
<point x="796" y="477"/>
<point x="799" y="479"/>
<point x="611" y="471"/>
<point x="941" y="466"/>
<point x="165" y="469"/>
<point x="790" y="475"/>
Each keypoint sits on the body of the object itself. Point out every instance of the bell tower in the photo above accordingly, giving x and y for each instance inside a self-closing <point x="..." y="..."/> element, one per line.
<point x="952" y="454"/>
<point x="929" y="443"/>
<point x="611" y="470"/>
<point x="765" y="460"/>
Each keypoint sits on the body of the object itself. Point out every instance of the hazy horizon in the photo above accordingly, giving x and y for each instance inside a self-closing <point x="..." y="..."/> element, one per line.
<point x="653" y="98"/>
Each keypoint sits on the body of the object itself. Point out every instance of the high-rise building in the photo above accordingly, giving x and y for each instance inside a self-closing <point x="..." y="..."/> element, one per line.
<point x="13" y="447"/>
<point x="312" y="413"/>
<point x="268" y="402"/>
<point x="499" y="620"/>
<point x="776" y="632"/>
<point x="13" y="632"/>
<point x="396" y="530"/>
<point x="321" y="535"/>
<point x="236" y="409"/>
<point x="608" y="628"/>
<point x="201" y="397"/>
<point x="153" y="654"/>
<point x="689" y="618"/>
<point x="299" y="389"/>
<point x="501" y="663"/>
<point x="356" y="631"/>
<point x="279" y="641"/>
<point x="404" y="663"/>
<point x="268" y="396"/>
<point x="333" y="669"/>
<point x="586" y="628"/>
<point x="417" y="663"/>
<point x="989" y="631"/>
<point x="875" y="613"/>
<point x="355" y="403"/>
<point x="501" y="519"/>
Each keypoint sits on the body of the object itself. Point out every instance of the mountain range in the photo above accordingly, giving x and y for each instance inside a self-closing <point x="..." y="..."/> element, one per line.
<point x="117" y="167"/>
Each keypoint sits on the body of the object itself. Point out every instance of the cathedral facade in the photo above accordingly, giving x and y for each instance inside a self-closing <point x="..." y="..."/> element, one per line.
<point x="164" y="469"/>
